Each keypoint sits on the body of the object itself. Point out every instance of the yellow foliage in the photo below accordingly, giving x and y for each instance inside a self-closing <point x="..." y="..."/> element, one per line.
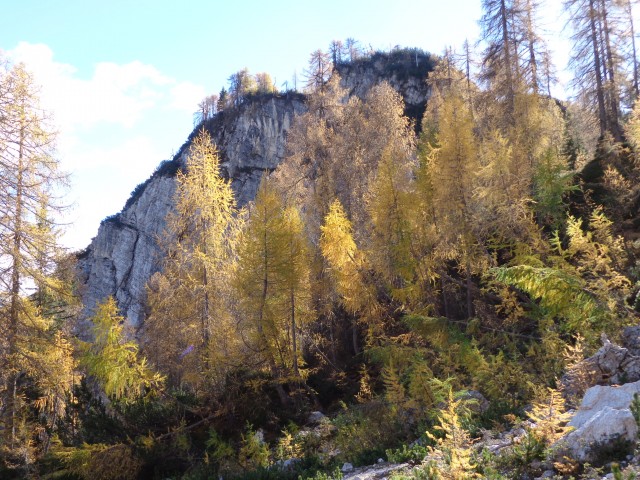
<point x="394" y="390"/>
<point x="392" y="209"/>
<point x="288" y="447"/>
<point x="598" y="257"/>
<point x="580" y="374"/>
<point x="550" y="417"/>
<point x="633" y="131"/>
<point x="191" y="297"/>
<point x="347" y="266"/>
<point x="92" y="461"/>
<point x="254" y="453"/>
<point x="272" y="279"/>
<point x="456" y="444"/>
<point x="113" y="361"/>
<point x="365" y="393"/>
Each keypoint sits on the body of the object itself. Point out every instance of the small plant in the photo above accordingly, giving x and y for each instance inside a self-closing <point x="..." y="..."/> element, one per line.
<point x="550" y="417"/>
<point x="455" y="444"/>
<point x="364" y="432"/>
<point x="335" y="475"/>
<point x="254" y="453"/>
<point x="618" y="474"/>
<point x="566" y="466"/>
<point x="428" y="471"/>
<point x="288" y="446"/>
<point x="218" y="451"/>
<point x="580" y="375"/>
<point x="487" y="463"/>
<point x="635" y="410"/>
<point x="530" y="448"/>
<point x="415" y="453"/>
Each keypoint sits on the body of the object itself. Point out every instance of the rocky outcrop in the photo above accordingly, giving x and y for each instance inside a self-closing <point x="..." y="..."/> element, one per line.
<point x="124" y="254"/>
<point x="631" y="340"/>
<point x="603" y="422"/>
<point x="611" y="365"/>
<point x="252" y="139"/>
<point x="406" y="70"/>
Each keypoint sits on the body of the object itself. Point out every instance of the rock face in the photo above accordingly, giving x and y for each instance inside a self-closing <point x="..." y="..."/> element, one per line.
<point x="124" y="253"/>
<point x="251" y="139"/>
<point x="405" y="70"/>
<point x="603" y="421"/>
<point x="631" y="340"/>
<point x="610" y="365"/>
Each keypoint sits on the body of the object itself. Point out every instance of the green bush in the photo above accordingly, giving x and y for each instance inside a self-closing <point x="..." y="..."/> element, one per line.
<point x="428" y="471"/>
<point x="254" y="453"/>
<point x="335" y="475"/>
<point x="365" y="432"/>
<point x="521" y="455"/>
<point x="415" y="453"/>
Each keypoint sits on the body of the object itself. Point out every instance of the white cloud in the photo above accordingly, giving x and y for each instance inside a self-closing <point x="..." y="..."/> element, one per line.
<point x="186" y="96"/>
<point x="135" y="156"/>
<point x="114" y="128"/>
<point x="103" y="177"/>
<point x="116" y="94"/>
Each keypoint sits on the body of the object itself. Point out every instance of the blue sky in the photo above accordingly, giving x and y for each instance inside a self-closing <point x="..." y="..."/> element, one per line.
<point x="123" y="78"/>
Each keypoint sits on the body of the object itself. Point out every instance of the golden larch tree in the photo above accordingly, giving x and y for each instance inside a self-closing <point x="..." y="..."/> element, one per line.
<point x="188" y="328"/>
<point x="273" y="285"/>
<point x="34" y="350"/>
<point x="347" y="267"/>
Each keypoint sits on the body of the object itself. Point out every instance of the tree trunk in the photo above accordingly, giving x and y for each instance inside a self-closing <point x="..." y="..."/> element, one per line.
<point x="14" y="309"/>
<point x="445" y="302"/>
<point x="284" y="399"/>
<point x="469" y="289"/>
<point x="294" y="344"/>
<point x="633" y="48"/>
<point x="508" y="67"/>
<point x="205" y="279"/>
<point x="532" y="50"/>
<point x="614" y="99"/>
<point x="354" y="337"/>
<point x="602" y="113"/>
<point x="205" y="307"/>
<point x="332" y="336"/>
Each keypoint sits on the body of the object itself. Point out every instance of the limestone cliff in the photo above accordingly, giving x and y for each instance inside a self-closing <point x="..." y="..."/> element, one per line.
<point x="405" y="70"/>
<point x="124" y="253"/>
<point x="251" y="139"/>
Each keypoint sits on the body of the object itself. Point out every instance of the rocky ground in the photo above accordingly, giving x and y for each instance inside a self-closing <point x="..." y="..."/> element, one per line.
<point x="601" y="425"/>
<point x="382" y="470"/>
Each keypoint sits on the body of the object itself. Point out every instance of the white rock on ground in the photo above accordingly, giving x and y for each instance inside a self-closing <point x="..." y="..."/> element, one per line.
<point x="598" y="397"/>
<point x="315" y="418"/>
<point x="603" y="419"/>
<point x="377" y="472"/>
<point x="346" y="467"/>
